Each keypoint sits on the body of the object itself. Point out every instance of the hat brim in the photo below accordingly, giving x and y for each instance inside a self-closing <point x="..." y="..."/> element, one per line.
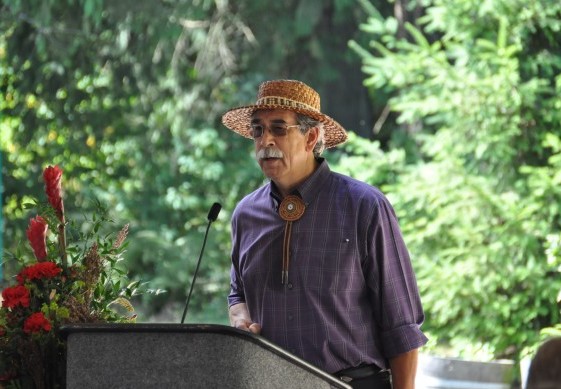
<point x="239" y="120"/>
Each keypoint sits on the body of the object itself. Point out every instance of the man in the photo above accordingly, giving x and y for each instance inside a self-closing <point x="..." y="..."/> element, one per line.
<point x="545" y="368"/>
<point x="319" y="265"/>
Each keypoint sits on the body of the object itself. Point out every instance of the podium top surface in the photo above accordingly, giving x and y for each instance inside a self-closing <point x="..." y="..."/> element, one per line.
<point x="166" y="329"/>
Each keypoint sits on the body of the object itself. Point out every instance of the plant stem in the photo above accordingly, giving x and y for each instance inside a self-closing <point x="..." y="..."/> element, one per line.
<point x="62" y="243"/>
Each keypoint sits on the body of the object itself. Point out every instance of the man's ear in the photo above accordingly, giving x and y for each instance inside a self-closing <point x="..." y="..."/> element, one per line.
<point x="312" y="138"/>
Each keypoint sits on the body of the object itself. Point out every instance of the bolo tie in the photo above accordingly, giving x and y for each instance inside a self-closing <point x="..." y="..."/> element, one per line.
<point x="291" y="209"/>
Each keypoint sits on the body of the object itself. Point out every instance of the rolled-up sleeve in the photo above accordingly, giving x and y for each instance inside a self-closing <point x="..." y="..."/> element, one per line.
<point x="392" y="284"/>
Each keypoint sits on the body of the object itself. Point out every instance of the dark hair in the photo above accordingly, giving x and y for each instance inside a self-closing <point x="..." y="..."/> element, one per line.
<point x="545" y="368"/>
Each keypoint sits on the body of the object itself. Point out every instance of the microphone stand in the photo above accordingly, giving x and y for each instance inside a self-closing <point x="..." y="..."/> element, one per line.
<point x="213" y="214"/>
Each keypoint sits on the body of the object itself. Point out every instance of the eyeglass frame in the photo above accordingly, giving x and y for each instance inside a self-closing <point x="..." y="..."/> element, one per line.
<point x="283" y="127"/>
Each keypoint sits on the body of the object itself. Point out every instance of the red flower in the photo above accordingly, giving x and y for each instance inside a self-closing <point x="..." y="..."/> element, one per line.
<point x="53" y="177"/>
<point x="38" y="271"/>
<point x="35" y="323"/>
<point x="37" y="236"/>
<point x="14" y="296"/>
<point x="2" y="330"/>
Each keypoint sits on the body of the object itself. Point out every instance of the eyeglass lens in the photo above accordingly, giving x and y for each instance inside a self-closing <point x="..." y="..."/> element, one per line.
<point x="277" y="129"/>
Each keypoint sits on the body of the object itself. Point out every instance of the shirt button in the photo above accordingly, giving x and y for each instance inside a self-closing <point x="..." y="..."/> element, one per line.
<point x="289" y="285"/>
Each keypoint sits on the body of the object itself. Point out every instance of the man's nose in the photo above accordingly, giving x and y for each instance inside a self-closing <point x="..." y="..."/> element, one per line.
<point x="267" y="139"/>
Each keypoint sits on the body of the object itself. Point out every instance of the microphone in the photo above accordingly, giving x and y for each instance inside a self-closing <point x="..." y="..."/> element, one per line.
<point x="214" y="211"/>
<point x="212" y="216"/>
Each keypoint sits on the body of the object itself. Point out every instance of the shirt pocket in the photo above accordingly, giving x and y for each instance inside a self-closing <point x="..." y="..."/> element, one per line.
<point x="328" y="261"/>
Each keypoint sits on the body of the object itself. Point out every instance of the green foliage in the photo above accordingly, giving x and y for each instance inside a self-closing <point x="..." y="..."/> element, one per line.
<point x="383" y="167"/>
<point x="118" y="94"/>
<point x="126" y="97"/>
<point x="477" y="86"/>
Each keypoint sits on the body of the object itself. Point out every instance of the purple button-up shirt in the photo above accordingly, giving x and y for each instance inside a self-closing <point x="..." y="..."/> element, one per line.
<point x="351" y="296"/>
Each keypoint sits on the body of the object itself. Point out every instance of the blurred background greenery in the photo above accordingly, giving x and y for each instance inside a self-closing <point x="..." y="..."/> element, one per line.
<point x="453" y="108"/>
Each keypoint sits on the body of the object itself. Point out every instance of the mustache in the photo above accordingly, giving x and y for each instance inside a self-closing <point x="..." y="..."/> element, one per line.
<point x="269" y="152"/>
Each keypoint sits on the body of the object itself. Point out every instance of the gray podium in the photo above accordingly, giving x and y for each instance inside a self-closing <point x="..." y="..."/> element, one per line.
<point x="182" y="356"/>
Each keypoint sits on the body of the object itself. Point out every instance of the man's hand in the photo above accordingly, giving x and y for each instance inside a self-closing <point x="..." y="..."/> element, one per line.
<point x="239" y="318"/>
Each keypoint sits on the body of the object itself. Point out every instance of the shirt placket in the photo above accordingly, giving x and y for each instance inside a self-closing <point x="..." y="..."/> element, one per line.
<point x="292" y="304"/>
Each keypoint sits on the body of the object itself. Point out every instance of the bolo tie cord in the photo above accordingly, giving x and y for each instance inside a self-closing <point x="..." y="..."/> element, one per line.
<point x="291" y="209"/>
<point x="286" y="252"/>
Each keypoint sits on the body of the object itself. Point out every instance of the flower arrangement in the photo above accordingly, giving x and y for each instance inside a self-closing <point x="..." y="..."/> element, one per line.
<point x="60" y="283"/>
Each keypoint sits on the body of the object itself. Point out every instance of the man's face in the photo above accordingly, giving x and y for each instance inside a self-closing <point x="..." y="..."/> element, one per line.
<point x="285" y="159"/>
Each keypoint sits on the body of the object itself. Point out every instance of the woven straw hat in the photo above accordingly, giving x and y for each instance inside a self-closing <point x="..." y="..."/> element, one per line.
<point x="290" y="95"/>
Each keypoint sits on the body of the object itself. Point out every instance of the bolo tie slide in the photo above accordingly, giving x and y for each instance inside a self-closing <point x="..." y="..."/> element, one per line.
<point x="291" y="209"/>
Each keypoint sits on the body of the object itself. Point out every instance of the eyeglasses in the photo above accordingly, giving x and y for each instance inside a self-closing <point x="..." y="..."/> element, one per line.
<point x="276" y="129"/>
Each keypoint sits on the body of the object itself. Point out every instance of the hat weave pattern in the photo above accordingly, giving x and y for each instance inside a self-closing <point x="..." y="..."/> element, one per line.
<point x="291" y="95"/>
<point x="277" y="100"/>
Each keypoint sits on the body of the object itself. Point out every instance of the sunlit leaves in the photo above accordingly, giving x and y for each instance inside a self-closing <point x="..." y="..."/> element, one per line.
<point x="479" y="85"/>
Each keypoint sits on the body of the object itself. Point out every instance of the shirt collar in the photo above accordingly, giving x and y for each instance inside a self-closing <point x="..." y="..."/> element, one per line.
<point x="309" y="189"/>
